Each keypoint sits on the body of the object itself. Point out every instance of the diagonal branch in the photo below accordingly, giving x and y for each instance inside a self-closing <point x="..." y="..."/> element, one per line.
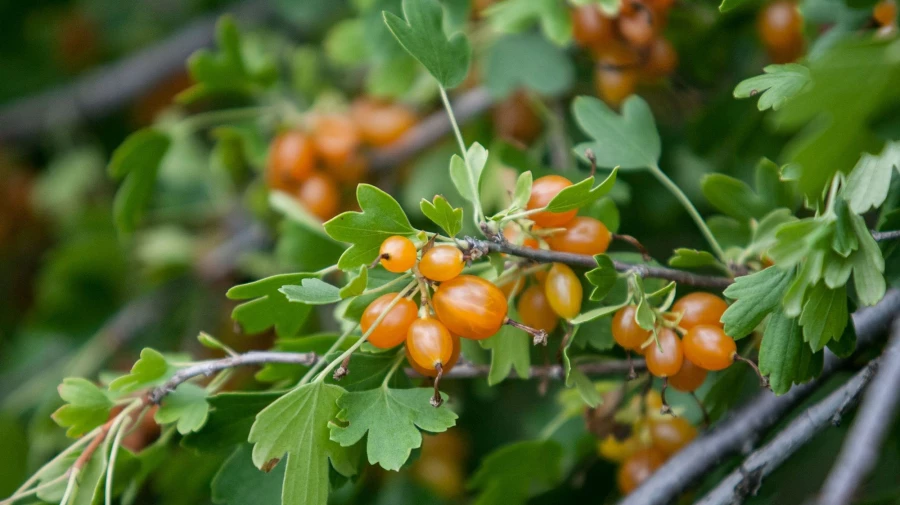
<point x="864" y="442"/>
<point x="751" y="422"/>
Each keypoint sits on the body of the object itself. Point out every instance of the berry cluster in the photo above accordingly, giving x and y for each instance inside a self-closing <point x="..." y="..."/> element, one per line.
<point x="645" y="442"/>
<point x="629" y="48"/>
<point x="311" y="163"/>
<point x="780" y="28"/>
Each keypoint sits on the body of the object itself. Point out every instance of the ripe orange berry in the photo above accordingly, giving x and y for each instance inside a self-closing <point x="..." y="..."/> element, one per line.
<point x="442" y="263"/>
<point x="626" y="331"/>
<point x="543" y="190"/>
<point x="320" y="195"/>
<point x="708" y="347"/>
<point x="885" y="12"/>
<point x="352" y="170"/>
<point x="535" y="310"/>
<point x="470" y="307"/>
<point x="335" y="137"/>
<point x="780" y="24"/>
<point x="292" y="158"/>
<point x="662" y="59"/>
<point x="689" y="378"/>
<point x="590" y="27"/>
<point x="563" y="290"/>
<point x="670" y="434"/>
<point x="638" y="468"/>
<point x="583" y="235"/>
<point x="398" y="254"/>
<point x="615" y="85"/>
<point x="514" y="119"/>
<point x="381" y="124"/>
<point x="638" y="28"/>
<point x="664" y="360"/>
<point x="392" y="329"/>
<point x="446" y="367"/>
<point x="429" y="343"/>
<point x="613" y="449"/>
<point x="700" y="308"/>
<point x="512" y="287"/>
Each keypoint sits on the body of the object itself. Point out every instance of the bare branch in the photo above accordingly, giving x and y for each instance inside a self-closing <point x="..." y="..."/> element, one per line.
<point x="864" y="442"/>
<point x="745" y="481"/>
<point x="587" y="261"/>
<point x="748" y="424"/>
<point x="886" y="235"/>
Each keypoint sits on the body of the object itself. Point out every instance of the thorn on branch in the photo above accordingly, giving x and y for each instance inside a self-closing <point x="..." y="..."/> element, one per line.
<point x="343" y="370"/>
<point x="749" y="485"/>
<point x="436" y="400"/>
<point x="589" y="154"/>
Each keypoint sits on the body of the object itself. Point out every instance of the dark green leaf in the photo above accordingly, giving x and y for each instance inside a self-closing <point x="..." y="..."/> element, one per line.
<point x="513" y="473"/>
<point x="510" y="350"/>
<point x="868" y="265"/>
<point x="732" y="197"/>
<point x="846" y="344"/>
<point x="268" y="306"/>
<point x="589" y="394"/>
<point x="844" y="241"/>
<point x="137" y="160"/>
<point x="629" y="141"/>
<point x="783" y="355"/>
<point x="368" y="370"/>
<point x="230" y="418"/>
<point x="824" y="315"/>
<point x="529" y="61"/>
<point x="755" y="296"/>
<point x="238" y="482"/>
<point x="603" y="278"/>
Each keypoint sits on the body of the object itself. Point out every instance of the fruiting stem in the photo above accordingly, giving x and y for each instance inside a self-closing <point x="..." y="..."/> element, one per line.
<point x="689" y="207"/>
<point x="343" y="370"/>
<point x="634" y="243"/>
<point x="436" y="400"/>
<point x="763" y="381"/>
<point x="540" y="336"/>
<point x="631" y="373"/>
<point x="666" y="409"/>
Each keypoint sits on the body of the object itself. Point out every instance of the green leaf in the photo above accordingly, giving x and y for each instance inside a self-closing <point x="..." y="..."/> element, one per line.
<point x="589" y="394"/>
<point x="443" y="214"/>
<point x="595" y="313"/>
<point x="844" y="346"/>
<point x="824" y="315"/>
<point x="345" y="43"/>
<point x="732" y="197"/>
<point x="510" y="350"/>
<point x="390" y="417"/>
<point x="692" y="258"/>
<point x="313" y="291"/>
<point x="728" y="5"/>
<point x="368" y="370"/>
<point x="868" y="183"/>
<point x="779" y="84"/>
<point x="513" y="473"/>
<point x="151" y="369"/>
<point x="529" y="61"/>
<point x="468" y="182"/>
<point x="868" y="265"/>
<point x="755" y="296"/>
<point x="187" y="405"/>
<point x="87" y="406"/>
<point x="296" y="425"/>
<point x="629" y="141"/>
<point x="238" y="482"/>
<point x="772" y="190"/>
<point x="357" y="283"/>
<point x="381" y="217"/>
<point x="783" y="355"/>
<point x="523" y="190"/>
<point x="514" y="16"/>
<point x="422" y="35"/>
<point x="230" y="418"/>
<point x="137" y="160"/>
<point x="268" y="306"/>
<point x="582" y="194"/>
<point x="603" y="278"/>
<point x="794" y="240"/>
<point x="844" y="241"/>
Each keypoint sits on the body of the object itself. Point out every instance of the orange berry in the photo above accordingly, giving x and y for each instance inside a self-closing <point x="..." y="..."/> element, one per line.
<point x="442" y="263"/>
<point x="428" y="343"/>
<point x="454" y="357"/>
<point x="564" y="291"/>
<point x="381" y="124"/>
<point x="664" y="360"/>
<point x="583" y="235"/>
<point x="689" y="378"/>
<point x="780" y="24"/>
<point x="292" y="158"/>
<point x="885" y="12"/>
<point x="709" y="347"/>
<point x="398" y="254"/>
<point x="670" y="434"/>
<point x="626" y="331"/>
<point x="699" y="308"/>
<point x="470" y="306"/>
<point x="590" y="27"/>
<point x="662" y="59"/>
<point x="392" y="330"/>
<point x="638" y="468"/>
<point x="535" y="310"/>
<point x="320" y="196"/>
<point x="637" y="28"/>
<point x="514" y="119"/>
<point x="335" y="137"/>
<point x="543" y="190"/>
<point x="615" y="85"/>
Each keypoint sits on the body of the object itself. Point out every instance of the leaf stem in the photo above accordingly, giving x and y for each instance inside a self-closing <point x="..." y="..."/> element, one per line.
<point x="555" y="424"/>
<point x="393" y="370"/>
<point x="689" y="207"/>
<point x="335" y="346"/>
<point x="111" y="466"/>
<point x="479" y="213"/>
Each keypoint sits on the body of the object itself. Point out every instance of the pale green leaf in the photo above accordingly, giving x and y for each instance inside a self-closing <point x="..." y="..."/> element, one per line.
<point x="582" y="193"/>
<point x="692" y="258"/>
<point x="357" y="283"/>
<point x="187" y="405"/>
<point x="87" y="406"/>
<point x="510" y="350"/>
<point x="868" y="183"/>
<point x="527" y="60"/>
<point x="441" y="213"/>
<point x="603" y="278"/>
<point x="755" y="296"/>
<point x="629" y="140"/>
<point x="268" y="307"/>
<point x="776" y="86"/>
<point x="312" y="291"/>
<point x="523" y="190"/>
<point x="150" y="369"/>
<point x="137" y="160"/>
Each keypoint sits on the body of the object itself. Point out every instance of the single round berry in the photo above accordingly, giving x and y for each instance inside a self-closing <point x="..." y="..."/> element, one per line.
<point x="445" y="367"/>
<point x="662" y="59"/>
<point x="689" y="378"/>
<point x="352" y="170"/>
<point x="543" y="190"/>
<point x="664" y="360"/>
<point x="583" y="235"/>
<point x="514" y="119"/>
<point x="470" y="306"/>
<point x="708" y="347"/>
<point x="292" y="157"/>
<point x="335" y="137"/>
<point x="319" y="194"/>
<point x="535" y="310"/>
<point x="626" y="331"/>
<point x="638" y="468"/>
<point x="638" y="27"/>
<point x="780" y="24"/>
<point x="653" y="401"/>
<point x="398" y="254"/>
<point x="564" y="291"/>
<point x="614" y="85"/>
<point x="699" y="308"/>
<point x="590" y="27"/>
<point x="428" y="344"/>
<point x="392" y="329"/>
<point x="615" y="450"/>
<point x="381" y="124"/>
<point x="885" y="12"/>
<point x="670" y="434"/>
<point x="442" y="263"/>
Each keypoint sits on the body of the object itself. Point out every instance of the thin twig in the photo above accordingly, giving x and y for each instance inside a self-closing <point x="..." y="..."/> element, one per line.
<point x="749" y="423"/>
<point x="745" y="481"/>
<point x="885" y="235"/>
<point x="587" y="261"/>
<point x="864" y="442"/>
